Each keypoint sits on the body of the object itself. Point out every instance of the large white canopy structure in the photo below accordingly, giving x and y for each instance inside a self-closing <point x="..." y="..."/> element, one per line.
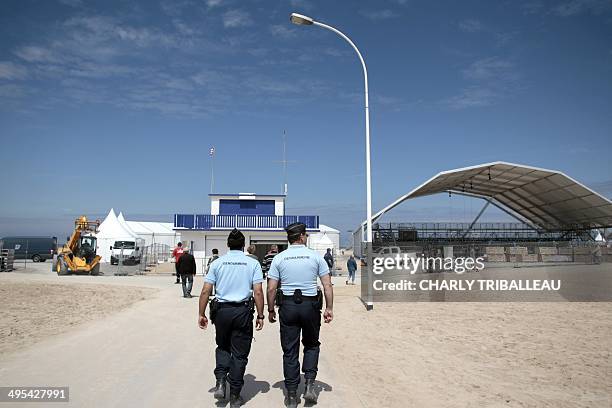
<point x="156" y="232"/>
<point x="545" y="199"/>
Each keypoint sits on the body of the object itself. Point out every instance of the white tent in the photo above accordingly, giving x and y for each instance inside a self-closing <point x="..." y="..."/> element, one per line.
<point x="327" y="237"/>
<point x="110" y="231"/>
<point x="125" y="225"/>
<point x="155" y="232"/>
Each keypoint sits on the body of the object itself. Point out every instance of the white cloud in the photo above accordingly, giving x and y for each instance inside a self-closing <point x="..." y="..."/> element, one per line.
<point x="471" y="26"/>
<point x="281" y="30"/>
<point x="72" y="3"/>
<point x="575" y="7"/>
<point x="10" y="71"/>
<point x="236" y="18"/>
<point x="490" y="68"/>
<point x="491" y="80"/>
<point x="472" y="97"/>
<point x="36" y="54"/>
<point x="533" y="7"/>
<point x="12" y="91"/>
<point x="213" y="3"/>
<point x="302" y="4"/>
<point x="378" y="15"/>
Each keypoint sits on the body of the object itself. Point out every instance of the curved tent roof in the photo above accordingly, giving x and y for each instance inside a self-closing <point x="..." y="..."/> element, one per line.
<point x="125" y="225"/>
<point x="148" y="227"/>
<point x="546" y="199"/>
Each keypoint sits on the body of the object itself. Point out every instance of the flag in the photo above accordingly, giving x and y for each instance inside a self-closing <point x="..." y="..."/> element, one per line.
<point x="211" y="152"/>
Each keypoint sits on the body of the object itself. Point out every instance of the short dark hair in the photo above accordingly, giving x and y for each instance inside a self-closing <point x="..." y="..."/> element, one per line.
<point x="215" y="251"/>
<point x="235" y="239"/>
<point x="179" y="244"/>
<point x="294" y="237"/>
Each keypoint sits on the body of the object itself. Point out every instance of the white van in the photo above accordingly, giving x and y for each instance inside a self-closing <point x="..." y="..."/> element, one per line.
<point x="130" y="252"/>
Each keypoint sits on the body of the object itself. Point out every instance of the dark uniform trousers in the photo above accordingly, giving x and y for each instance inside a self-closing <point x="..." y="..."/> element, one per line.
<point x="234" y="332"/>
<point x="302" y="317"/>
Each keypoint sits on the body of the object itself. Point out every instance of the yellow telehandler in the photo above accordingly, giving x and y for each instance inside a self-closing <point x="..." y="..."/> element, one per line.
<point x="78" y="256"/>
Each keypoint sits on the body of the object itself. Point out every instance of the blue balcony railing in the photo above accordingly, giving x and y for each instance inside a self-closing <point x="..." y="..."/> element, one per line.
<point x="254" y="222"/>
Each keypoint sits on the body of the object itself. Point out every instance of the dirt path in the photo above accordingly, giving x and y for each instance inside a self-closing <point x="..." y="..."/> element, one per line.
<point x="152" y="354"/>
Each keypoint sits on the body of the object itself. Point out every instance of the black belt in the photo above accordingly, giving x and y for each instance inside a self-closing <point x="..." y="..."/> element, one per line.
<point x="290" y="297"/>
<point x="233" y="304"/>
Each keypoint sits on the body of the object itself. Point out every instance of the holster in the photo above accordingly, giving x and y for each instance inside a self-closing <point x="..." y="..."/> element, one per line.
<point x="214" y="308"/>
<point x="278" y="299"/>
<point x="297" y="296"/>
<point x="319" y="299"/>
<point x="252" y="304"/>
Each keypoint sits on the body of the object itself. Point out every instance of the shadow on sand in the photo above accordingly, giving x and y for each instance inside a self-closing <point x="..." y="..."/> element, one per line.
<point x="319" y="387"/>
<point x="251" y="388"/>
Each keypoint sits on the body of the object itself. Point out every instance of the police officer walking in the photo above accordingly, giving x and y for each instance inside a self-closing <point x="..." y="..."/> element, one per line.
<point x="297" y="269"/>
<point x="234" y="275"/>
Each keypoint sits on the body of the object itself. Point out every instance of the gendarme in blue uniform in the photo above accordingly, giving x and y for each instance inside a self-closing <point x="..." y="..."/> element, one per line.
<point x="298" y="267"/>
<point x="233" y="275"/>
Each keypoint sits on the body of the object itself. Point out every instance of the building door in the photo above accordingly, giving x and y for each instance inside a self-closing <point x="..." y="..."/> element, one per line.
<point x="262" y="247"/>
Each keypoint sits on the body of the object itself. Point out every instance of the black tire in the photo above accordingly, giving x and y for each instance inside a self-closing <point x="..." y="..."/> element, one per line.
<point x="36" y="258"/>
<point x="42" y="260"/>
<point x="61" y="268"/>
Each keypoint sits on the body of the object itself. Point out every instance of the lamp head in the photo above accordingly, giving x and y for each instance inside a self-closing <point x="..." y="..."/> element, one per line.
<point x="299" y="19"/>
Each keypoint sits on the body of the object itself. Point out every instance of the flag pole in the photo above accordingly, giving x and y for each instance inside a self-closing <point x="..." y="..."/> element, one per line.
<point x="212" y="169"/>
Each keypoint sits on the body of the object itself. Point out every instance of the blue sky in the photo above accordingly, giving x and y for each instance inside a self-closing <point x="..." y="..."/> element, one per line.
<point x="116" y="103"/>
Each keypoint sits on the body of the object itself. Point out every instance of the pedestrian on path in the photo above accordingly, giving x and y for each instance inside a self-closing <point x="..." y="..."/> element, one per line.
<point x="351" y="265"/>
<point x="329" y="259"/>
<point x="186" y="269"/>
<point x="176" y="254"/>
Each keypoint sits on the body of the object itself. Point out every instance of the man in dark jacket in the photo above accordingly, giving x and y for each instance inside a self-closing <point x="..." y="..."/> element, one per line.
<point x="329" y="259"/>
<point x="351" y="265"/>
<point x="186" y="267"/>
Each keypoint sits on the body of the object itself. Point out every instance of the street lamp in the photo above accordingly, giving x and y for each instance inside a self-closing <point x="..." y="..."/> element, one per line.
<point x="299" y="19"/>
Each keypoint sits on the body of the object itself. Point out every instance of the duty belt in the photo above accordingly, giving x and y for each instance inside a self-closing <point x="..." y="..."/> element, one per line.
<point x="290" y="297"/>
<point x="233" y="304"/>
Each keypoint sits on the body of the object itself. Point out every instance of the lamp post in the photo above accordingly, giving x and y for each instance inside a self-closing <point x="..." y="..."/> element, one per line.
<point x="300" y="19"/>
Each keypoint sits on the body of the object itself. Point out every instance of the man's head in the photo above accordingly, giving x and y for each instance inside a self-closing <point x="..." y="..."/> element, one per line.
<point x="215" y="251"/>
<point x="274" y="248"/>
<point x="296" y="233"/>
<point x="251" y="249"/>
<point x="328" y="250"/>
<point x="235" y="240"/>
<point x="180" y="244"/>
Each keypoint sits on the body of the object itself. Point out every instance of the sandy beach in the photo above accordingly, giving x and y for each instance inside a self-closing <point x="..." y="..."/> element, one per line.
<point x="137" y="340"/>
<point x="474" y="354"/>
<point x="33" y="311"/>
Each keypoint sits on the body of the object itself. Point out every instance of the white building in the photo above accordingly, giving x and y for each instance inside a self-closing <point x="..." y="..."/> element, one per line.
<point x="261" y="218"/>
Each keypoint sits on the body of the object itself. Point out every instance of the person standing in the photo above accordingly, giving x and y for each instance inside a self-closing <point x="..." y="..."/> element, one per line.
<point x="351" y="266"/>
<point x="234" y="275"/>
<point x="213" y="258"/>
<point x="186" y="266"/>
<point x="176" y="254"/>
<point x="251" y="252"/>
<point x="297" y="269"/>
<point x="267" y="261"/>
<point x="329" y="259"/>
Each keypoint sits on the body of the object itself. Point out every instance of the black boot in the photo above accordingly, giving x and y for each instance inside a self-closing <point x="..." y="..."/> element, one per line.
<point x="235" y="401"/>
<point x="220" y="388"/>
<point x="292" y="399"/>
<point x="309" y="394"/>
